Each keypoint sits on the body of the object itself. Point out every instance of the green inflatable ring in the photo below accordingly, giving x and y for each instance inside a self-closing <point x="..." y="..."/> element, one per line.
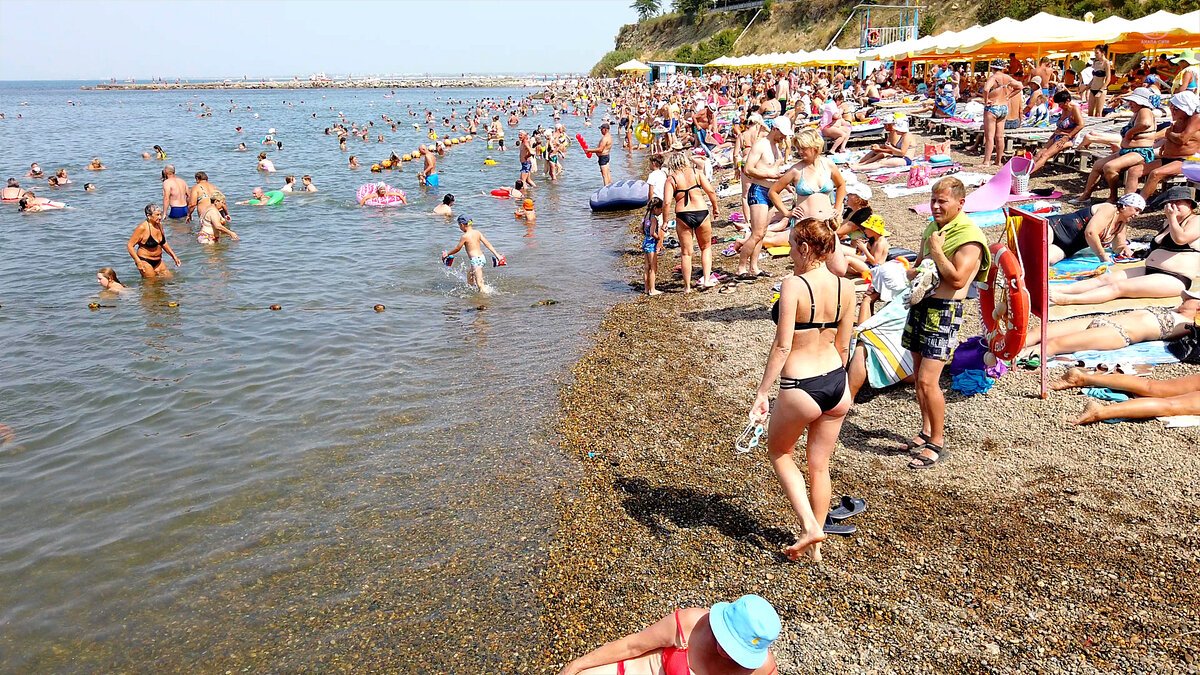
<point x="272" y="197"/>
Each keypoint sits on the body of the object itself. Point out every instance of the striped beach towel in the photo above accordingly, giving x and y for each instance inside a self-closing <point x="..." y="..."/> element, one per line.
<point x="887" y="361"/>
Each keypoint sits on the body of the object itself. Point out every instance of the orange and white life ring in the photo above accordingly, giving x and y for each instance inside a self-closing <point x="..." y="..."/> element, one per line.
<point x="873" y="37"/>
<point x="1004" y="304"/>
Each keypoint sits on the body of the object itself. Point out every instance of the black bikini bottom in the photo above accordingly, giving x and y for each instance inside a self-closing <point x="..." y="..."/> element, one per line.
<point x="826" y="390"/>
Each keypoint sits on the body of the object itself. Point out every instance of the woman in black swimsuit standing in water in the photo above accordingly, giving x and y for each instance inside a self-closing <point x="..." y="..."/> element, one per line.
<point x="809" y="359"/>
<point x="148" y="243"/>
<point x="691" y="216"/>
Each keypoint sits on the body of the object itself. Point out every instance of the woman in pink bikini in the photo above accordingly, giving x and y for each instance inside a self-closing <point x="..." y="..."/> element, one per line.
<point x="729" y="639"/>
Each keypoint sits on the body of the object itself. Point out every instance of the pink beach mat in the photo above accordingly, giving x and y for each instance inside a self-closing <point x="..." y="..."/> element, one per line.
<point x="997" y="192"/>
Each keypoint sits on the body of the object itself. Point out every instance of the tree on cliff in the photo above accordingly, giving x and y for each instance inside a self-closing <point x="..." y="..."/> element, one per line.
<point x="691" y="7"/>
<point x="647" y="9"/>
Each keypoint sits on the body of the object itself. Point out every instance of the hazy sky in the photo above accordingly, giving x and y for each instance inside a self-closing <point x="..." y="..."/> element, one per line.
<point x="85" y="39"/>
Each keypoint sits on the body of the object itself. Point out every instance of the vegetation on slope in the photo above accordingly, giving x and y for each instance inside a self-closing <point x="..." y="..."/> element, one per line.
<point x="692" y="35"/>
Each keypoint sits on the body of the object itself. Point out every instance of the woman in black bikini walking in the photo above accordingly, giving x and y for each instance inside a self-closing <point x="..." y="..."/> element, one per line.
<point x="809" y="359"/>
<point x="148" y="243"/>
<point x="691" y="216"/>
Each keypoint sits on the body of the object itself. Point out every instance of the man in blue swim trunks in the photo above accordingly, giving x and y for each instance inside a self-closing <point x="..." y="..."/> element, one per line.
<point x="763" y="167"/>
<point x="525" y="146"/>
<point x="998" y="90"/>
<point x="175" y="194"/>
<point x="428" y="175"/>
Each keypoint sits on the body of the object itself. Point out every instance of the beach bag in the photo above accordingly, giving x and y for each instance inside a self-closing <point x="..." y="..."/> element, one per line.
<point x="932" y="149"/>
<point x="918" y="176"/>
<point x="1186" y="348"/>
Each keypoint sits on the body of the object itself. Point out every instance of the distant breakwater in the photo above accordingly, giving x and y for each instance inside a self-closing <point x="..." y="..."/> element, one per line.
<point x="365" y="83"/>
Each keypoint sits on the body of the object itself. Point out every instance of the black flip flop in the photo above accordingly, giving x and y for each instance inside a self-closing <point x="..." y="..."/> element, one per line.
<point x="840" y="530"/>
<point x="850" y="507"/>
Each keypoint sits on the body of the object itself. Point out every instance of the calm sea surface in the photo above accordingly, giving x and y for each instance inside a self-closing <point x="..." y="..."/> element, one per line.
<point x="219" y="484"/>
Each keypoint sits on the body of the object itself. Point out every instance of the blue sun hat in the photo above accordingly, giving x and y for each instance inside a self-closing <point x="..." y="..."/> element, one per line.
<point x="745" y="629"/>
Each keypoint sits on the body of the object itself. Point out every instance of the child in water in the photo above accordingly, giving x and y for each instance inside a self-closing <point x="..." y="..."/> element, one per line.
<point x="473" y="240"/>
<point x="653" y="233"/>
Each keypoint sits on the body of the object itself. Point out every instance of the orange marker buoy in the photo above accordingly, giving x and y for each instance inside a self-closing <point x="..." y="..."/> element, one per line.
<point x="93" y="305"/>
<point x="172" y="304"/>
<point x="276" y="307"/>
<point x="379" y="308"/>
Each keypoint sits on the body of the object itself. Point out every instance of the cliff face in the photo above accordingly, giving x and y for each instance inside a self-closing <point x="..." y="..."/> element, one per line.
<point x="788" y="26"/>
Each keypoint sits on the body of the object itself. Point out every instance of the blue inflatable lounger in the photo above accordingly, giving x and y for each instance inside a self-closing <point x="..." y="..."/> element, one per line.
<point x="623" y="196"/>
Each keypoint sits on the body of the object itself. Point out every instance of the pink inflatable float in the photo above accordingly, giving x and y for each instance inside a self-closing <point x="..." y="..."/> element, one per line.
<point x="392" y="196"/>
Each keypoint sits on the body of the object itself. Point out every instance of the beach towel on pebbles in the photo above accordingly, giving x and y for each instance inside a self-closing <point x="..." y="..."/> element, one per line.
<point x="887" y="361"/>
<point x="970" y="179"/>
<point x="1154" y="353"/>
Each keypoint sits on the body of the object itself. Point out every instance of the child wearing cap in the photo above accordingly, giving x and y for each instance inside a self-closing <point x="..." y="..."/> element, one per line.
<point x="868" y="250"/>
<point x="728" y="637"/>
<point x="474" y="241"/>
<point x="525" y="210"/>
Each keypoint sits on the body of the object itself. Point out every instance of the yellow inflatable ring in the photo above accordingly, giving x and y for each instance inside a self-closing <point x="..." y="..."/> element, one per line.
<point x="642" y="134"/>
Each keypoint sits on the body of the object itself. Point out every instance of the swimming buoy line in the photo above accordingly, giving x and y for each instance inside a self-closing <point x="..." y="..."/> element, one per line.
<point x="1004" y="304"/>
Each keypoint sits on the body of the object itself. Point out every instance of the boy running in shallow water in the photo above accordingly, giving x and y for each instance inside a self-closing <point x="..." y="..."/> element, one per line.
<point x="474" y="241"/>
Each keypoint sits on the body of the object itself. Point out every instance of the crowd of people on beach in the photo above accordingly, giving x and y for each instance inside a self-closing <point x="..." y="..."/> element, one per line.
<point x="782" y="143"/>
<point x="787" y="149"/>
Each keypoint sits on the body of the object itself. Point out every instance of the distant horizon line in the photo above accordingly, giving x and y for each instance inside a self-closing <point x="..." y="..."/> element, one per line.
<point x="279" y="78"/>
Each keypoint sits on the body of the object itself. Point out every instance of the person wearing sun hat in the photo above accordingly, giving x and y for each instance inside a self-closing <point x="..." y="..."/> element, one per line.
<point x="1172" y="266"/>
<point x="1188" y="78"/>
<point x="730" y="638"/>
<point x="1137" y="148"/>
<point x="870" y="249"/>
<point x="1097" y="226"/>
<point x="895" y="151"/>
<point x="1181" y="142"/>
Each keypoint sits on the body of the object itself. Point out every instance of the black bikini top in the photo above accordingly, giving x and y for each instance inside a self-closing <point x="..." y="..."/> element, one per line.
<point x="812" y="309"/>
<point x="151" y="242"/>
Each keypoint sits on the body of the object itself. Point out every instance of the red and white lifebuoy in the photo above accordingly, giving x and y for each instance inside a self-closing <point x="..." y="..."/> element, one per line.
<point x="1004" y="304"/>
<point x="873" y="37"/>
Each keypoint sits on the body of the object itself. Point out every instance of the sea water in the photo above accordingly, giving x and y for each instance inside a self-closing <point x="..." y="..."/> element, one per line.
<point x="191" y="478"/>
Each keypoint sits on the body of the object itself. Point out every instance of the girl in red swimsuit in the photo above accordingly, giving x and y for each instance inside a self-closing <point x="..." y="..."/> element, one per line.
<point x="728" y="639"/>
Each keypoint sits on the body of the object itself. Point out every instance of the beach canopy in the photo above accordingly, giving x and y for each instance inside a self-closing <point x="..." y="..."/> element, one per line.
<point x="1157" y="32"/>
<point x="633" y="64"/>
<point x="1040" y="35"/>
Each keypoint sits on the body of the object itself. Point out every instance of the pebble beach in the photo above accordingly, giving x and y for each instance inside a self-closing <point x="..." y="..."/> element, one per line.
<point x="1038" y="547"/>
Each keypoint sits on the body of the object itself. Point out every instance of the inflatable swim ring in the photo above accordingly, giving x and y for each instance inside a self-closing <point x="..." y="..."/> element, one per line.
<point x="500" y="192"/>
<point x="489" y="162"/>
<point x="642" y="133"/>
<point x="370" y="188"/>
<point x="1004" y="304"/>
<point x="269" y="198"/>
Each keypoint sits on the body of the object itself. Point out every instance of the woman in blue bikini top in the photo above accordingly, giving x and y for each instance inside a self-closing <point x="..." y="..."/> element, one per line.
<point x="809" y="144"/>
